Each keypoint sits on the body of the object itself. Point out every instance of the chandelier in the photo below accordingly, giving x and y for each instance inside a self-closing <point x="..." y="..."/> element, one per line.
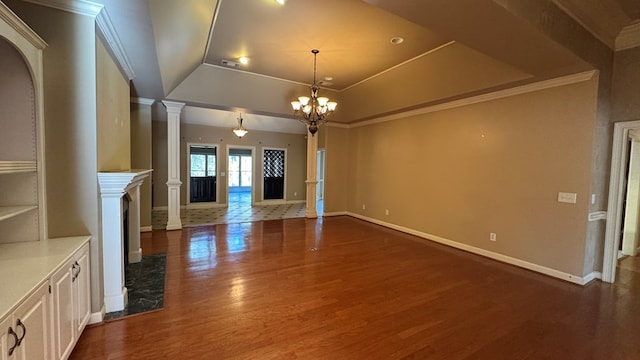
<point x="314" y="110"/>
<point x="239" y="130"/>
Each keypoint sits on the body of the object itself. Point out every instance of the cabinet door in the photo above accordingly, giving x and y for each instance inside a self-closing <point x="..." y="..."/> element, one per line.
<point x="81" y="291"/>
<point x="63" y="327"/>
<point x="32" y="325"/>
<point x="7" y="341"/>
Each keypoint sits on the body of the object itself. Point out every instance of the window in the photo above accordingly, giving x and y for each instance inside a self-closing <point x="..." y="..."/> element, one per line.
<point x="203" y="161"/>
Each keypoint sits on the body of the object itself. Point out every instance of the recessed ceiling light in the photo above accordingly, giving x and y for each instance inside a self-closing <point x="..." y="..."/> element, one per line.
<point x="281" y="2"/>
<point x="396" y="40"/>
<point x="244" y="60"/>
<point x="328" y="78"/>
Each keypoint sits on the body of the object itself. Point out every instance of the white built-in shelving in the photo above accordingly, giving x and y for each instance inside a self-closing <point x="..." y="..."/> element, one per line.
<point x="22" y="198"/>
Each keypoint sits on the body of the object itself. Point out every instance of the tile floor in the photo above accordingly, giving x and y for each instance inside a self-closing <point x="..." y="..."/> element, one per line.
<point x="239" y="211"/>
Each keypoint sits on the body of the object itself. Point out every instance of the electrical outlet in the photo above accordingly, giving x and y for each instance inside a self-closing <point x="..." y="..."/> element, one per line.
<point x="364" y="206"/>
<point x="295" y="193"/>
<point x="492" y="236"/>
<point x="386" y="211"/>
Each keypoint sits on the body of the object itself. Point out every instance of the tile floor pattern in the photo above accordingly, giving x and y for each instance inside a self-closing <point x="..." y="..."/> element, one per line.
<point x="239" y="211"/>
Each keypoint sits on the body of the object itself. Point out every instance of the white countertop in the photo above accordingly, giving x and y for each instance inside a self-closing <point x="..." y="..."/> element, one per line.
<point x="25" y="266"/>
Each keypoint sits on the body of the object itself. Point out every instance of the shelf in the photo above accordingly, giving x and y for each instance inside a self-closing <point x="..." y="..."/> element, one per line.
<point x="8" y="167"/>
<point x="7" y="212"/>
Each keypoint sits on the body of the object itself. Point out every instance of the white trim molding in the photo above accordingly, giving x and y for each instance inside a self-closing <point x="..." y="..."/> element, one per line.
<point x="80" y="7"/>
<point x="20" y="27"/>
<point x="337" y="213"/>
<point x="97" y="317"/>
<point x="105" y="25"/>
<point x="109" y="33"/>
<point x="482" y="252"/>
<point x="628" y="38"/>
<point x="141" y="101"/>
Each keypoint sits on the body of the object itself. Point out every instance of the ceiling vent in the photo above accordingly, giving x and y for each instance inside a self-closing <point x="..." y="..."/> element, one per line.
<point x="230" y="63"/>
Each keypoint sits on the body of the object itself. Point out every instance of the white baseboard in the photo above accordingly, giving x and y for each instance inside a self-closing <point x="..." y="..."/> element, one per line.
<point x="97" y="317"/>
<point x="486" y="253"/>
<point x="337" y="213"/>
<point x="146" y="228"/>
<point x="590" y="277"/>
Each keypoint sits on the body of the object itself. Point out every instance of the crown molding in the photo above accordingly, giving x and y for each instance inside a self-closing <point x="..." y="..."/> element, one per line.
<point x="81" y="7"/>
<point x="142" y="101"/>
<point x="18" y="25"/>
<point x="537" y="86"/>
<point x="337" y="125"/>
<point x="111" y="36"/>
<point x="629" y="37"/>
<point x="105" y="25"/>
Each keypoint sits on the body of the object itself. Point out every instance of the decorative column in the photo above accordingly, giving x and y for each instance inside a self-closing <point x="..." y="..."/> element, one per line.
<point x="173" y="164"/>
<point x="312" y="181"/>
<point x="113" y="186"/>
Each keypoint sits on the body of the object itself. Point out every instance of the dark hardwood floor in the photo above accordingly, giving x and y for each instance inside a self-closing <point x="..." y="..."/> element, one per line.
<point x="341" y="288"/>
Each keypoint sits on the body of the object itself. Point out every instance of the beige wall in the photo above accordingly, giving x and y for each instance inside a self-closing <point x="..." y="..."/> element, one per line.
<point x="626" y="85"/>
<point x="495" y="167"/>
<point x="114" y="144"/>
<point x="70" y="127"/>
<point x="295" y="144"/>
<point x="141" y="149"/>
<point x="335" y="141"/>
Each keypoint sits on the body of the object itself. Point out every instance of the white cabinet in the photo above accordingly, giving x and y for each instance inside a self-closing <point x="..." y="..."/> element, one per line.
<point x="70" y="301"/>
<point x="25" y="333"/>
<point x="6" y="339"/>
<point x="81" y="291"/>
<point x="61" y="299"/>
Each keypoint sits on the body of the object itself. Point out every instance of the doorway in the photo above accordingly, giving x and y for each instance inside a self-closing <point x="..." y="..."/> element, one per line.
<point x="202" y="185"/>
<point x="617" y="194"/>
<point x="240" y="177"/>
<point x="320" y="185"/>
<point x="274" y="173"/>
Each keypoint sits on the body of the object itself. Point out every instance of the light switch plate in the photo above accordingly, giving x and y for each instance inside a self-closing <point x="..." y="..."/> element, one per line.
<point x="570" y="198"/>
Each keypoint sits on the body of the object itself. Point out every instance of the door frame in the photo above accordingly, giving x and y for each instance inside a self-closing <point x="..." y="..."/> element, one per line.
<point x="253" y="169"/>
<point x="286" y="168"/>
<point x="320" y="170"/>
<point x="202" y="205"/>
<point x="619" y="156"/>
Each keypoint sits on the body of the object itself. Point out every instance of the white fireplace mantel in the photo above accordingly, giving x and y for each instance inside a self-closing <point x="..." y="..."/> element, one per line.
<point x="119" y="182"/>
<point x="113" y="186"/>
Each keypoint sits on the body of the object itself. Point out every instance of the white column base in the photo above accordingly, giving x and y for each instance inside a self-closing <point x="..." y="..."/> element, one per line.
<point x="116" y="302"/>
<point x="173" y="221"/>
<point x="311" y="212"/>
